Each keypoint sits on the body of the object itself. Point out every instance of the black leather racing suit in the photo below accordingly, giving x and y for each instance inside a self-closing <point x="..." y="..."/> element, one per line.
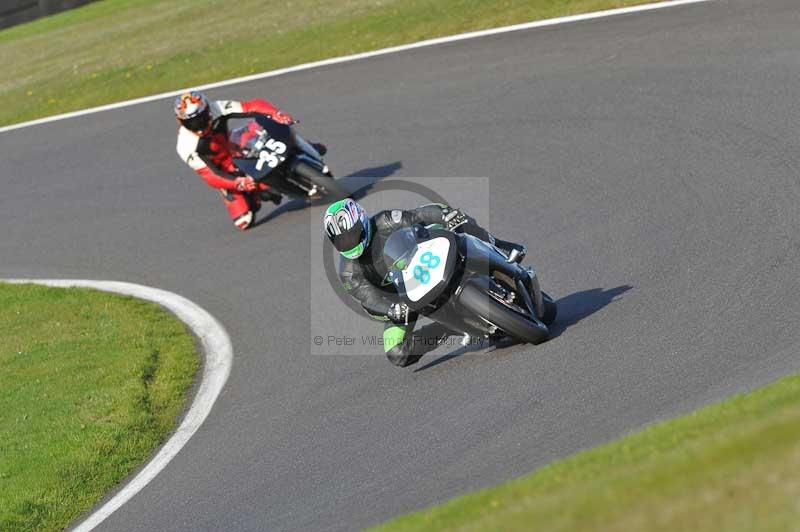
<point x="363" y="279"/>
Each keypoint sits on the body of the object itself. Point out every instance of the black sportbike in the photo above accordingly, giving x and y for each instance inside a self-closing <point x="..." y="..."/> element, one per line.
<point x="274" y="154"/>
<point x="467" y="285"/>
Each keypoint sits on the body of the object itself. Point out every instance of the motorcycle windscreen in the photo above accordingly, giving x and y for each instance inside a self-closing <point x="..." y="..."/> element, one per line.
<point x="248" y="138"/>
<point x="246" y="142"/>
<point x="261" y="145"/>
<point x="399" y="248"/>
<point x="277" y="131"/>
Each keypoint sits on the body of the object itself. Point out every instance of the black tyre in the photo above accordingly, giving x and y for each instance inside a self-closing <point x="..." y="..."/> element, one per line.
<point x="332" y="189"/>
<point x="475" y="297"/>
<point x="550" y="309"/>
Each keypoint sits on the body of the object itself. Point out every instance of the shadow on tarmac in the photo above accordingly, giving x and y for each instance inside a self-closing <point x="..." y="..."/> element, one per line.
<point x="361" y="181"/>
<point x="571" y="309"/>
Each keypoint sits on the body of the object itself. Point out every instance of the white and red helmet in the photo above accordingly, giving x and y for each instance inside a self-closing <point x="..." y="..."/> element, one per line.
<point x="193" y="112"/>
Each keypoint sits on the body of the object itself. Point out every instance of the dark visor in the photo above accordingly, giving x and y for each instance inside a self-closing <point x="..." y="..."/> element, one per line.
<point x="197" y="123"/>
<point x="350" y="239"/>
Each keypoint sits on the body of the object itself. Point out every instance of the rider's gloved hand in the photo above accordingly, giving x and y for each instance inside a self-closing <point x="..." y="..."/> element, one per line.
<point x="454" y="218"/>
<point x="245" y="184"/>
<point x="284" y="118"/>
<point x="398" y="313"/>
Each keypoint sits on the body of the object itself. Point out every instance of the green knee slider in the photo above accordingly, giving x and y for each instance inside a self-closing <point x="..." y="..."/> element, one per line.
<point x="393" y="336"/>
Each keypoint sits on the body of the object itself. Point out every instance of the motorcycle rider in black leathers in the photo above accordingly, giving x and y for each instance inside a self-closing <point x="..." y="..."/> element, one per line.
<point x="360" y="240"/>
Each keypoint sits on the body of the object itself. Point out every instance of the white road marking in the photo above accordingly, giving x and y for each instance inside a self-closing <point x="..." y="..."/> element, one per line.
<point x="356" y="57"/>
<point x="218" y="353"/>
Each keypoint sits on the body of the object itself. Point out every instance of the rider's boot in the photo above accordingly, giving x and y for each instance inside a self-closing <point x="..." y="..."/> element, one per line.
<point x="514" y="252"/>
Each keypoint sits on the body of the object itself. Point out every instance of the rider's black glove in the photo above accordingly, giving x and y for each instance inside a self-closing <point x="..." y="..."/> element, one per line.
<point x="398" y="313"/>
<point x="453" y="219"/>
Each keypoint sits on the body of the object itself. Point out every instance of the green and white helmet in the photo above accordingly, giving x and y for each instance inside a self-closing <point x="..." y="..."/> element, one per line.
<point x="348" y="228"/>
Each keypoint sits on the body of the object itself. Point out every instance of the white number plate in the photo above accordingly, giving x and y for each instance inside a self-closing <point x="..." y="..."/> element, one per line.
<point x="426" y="269"/>
<point x="271" y="158"/>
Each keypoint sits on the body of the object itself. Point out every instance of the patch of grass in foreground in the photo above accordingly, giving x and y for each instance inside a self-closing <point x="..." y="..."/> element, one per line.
<point x="90" y="384"/>
<point x="731" y="466"/>
<point x="113" y="50"/>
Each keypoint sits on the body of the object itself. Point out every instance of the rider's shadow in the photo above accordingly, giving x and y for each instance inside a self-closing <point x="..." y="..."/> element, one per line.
<point x="358" y="183"/>
<point x="571" y="309"/>
<point x="361" y="182"/>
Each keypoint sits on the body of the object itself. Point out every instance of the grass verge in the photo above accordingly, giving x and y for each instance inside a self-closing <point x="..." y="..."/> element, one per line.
<point x="113" y="50"/>
<point x="90" y="384"/>
<point x="732" y="466"/>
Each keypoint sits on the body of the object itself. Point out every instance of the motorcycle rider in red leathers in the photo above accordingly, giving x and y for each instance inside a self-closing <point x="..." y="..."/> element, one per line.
<point x="203" y="144"/>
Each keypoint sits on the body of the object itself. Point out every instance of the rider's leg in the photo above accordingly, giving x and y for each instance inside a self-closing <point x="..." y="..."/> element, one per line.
<point x="514" y="252"/>
<point x="239" y="208"/>
<point x="321" y="148"/>
<point x="404" y="346"/>
<point x="396" y="345"/>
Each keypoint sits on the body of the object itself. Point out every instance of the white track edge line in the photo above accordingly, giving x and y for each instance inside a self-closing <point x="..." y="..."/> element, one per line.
<point x="218" y="353"/>
<point x="356" y="57"/>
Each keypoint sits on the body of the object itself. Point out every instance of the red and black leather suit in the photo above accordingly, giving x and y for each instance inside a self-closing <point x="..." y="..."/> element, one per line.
<point x="210" y="154"/>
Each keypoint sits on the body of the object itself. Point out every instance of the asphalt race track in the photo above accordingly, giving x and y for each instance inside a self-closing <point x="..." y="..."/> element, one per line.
<point x="650" y="161"/>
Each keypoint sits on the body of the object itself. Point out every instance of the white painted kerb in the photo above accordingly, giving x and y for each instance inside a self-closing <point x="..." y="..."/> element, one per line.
<point x="218" y="353"/>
